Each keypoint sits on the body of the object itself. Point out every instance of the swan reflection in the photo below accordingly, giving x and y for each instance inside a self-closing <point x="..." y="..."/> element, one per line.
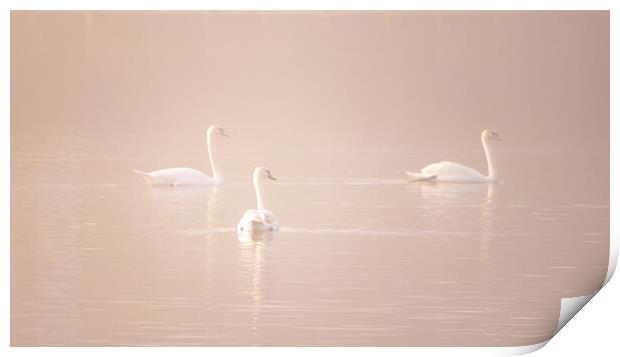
<point x="433" y="191"/>
<point x="449" y="202"/>
<point x="212" y="193"/>
<point x="188" y="195"/>
<point x="487" y="214"/>
<point x="487" y="217"/>
<point x="252" y="257"/>
<point x="211" y="205"/>
<point x="442" y="199"/>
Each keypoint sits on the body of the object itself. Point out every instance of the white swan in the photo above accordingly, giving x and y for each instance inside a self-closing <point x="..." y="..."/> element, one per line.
<point x="446" y="171"/>
<point x="183" y="176"/>
<point x="259" y="219"/>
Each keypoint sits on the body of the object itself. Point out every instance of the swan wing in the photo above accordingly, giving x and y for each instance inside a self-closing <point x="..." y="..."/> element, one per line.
<point x="452" y="171"/>
<point x="153" y="179"/>
<point x="421" y="177"/>
<point x="255" y="220"/>
<point x="178" y="176"/>
<point x="270" y="219"/>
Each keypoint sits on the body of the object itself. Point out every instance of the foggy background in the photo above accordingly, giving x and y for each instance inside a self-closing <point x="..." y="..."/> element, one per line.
<point x="114" y="85"/>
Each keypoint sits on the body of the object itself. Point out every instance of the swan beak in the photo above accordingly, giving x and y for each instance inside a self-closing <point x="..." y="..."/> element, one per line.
<point x="224" y="134"/>
<point x="271" y="177"/>
<point x="499" y="139"/>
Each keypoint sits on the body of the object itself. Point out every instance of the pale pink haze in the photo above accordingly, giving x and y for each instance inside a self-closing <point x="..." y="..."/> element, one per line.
<point x="338" y="105"/>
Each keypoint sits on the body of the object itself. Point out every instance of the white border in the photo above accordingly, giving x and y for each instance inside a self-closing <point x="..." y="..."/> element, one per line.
<point x="299" y="5"/>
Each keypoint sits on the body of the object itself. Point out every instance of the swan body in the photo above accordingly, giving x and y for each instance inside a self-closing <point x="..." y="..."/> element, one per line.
<point x="183" y="176"/>
<point x="178" y="176"/>
<point x="254" y="220"/>
<point x="446" y="171"/>
<point x="259" y="219"/>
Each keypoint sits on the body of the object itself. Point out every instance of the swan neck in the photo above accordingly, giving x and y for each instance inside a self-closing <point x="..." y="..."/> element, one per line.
<point x="215" y="168"/>
<point x="258" y="187"/>
<point x="491" y="162"/>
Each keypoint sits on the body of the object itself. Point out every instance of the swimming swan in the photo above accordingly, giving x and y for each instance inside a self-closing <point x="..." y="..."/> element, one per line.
<point x="446" y="171"/>
<point x="259" y="219"/>
<point x="183" y="176"/>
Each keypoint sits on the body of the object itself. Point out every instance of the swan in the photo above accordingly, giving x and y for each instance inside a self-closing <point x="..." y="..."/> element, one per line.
<point x="447" y="171"/>
<point x="259" y="219"/>
<point x="183" y="176"/>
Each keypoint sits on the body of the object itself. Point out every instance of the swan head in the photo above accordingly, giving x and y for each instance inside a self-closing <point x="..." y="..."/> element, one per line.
<point x="216" y="130"/>
<point x="488" y="135"/>
<point x="263" y="173"/>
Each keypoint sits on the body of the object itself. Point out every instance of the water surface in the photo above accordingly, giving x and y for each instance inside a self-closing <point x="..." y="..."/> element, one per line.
<point x="99" y="258"/>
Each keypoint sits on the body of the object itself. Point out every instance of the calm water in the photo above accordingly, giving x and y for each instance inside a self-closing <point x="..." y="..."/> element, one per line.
<point x="99" y="258"/>
<point x="337" y="105"/>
